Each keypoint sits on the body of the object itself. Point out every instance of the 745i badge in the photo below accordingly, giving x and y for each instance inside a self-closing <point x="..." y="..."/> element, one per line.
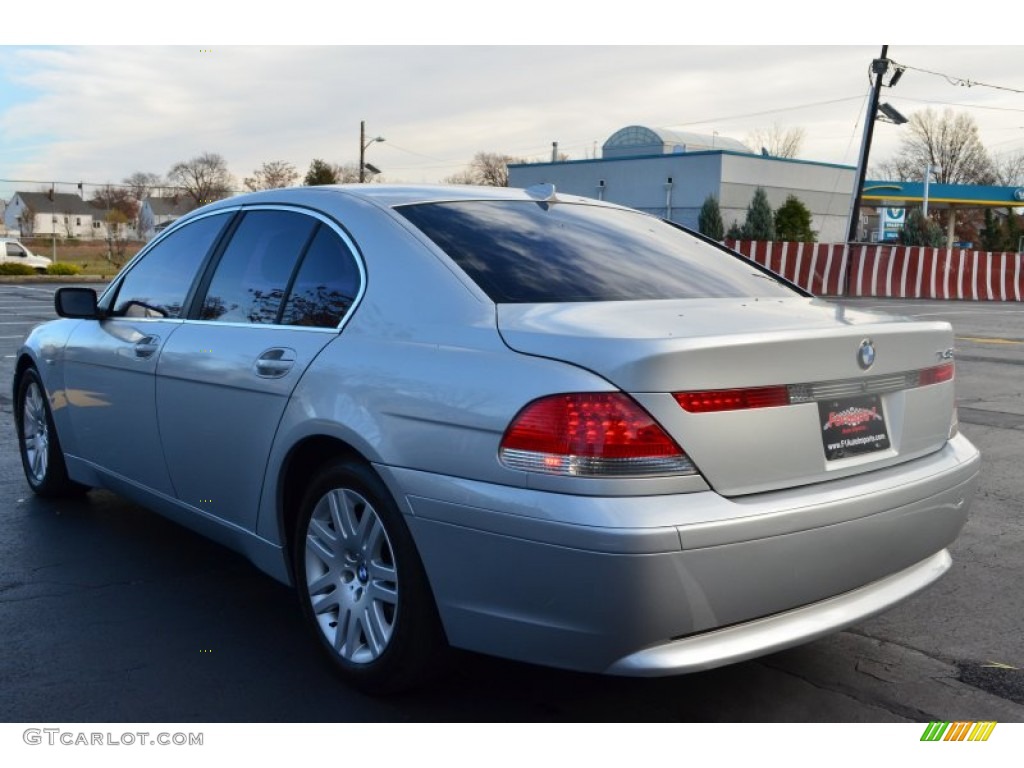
<point x="852" y="426"/>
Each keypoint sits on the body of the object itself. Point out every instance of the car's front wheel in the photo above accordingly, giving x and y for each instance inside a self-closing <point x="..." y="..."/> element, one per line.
<point x="362" y="585"/>
<point x="41" y="456"/>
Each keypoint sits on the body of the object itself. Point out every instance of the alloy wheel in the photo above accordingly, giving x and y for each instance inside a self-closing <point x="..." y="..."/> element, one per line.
<point x="351" y="576"/>
<point x="35" y="434"/>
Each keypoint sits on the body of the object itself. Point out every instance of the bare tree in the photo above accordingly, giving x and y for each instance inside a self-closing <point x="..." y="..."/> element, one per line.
<point x="348" y="173"/>
<point x="489" y="169"/>
<point x="117" y="198"/>
<point x="1008" y="169"/>
<point x="778" y="141"/>
<point x="116" y="222"/>
<point x="462" y="177"/>
<point x="204" y="178"/>
<point x="272" y="175"/>
<point x="948" y="142"/>
<point x="140" y="184"/>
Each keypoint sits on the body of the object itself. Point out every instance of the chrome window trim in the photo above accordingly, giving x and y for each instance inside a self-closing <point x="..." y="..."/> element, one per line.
<point x="333" y="225"/>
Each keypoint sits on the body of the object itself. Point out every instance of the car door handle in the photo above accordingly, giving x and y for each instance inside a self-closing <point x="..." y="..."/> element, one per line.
<point x="275" y="363"/>
<point x="146" y="346"/>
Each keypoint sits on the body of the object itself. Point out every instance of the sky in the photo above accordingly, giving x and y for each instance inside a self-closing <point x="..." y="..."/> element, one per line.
<point x="79" y="107"/>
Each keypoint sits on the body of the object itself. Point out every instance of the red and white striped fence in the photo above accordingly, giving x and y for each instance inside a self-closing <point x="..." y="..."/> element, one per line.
<point x="892" y="271"/>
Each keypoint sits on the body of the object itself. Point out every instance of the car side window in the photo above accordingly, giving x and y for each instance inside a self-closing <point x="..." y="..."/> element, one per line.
<point x="158" y="284"/>
<point x="326" y="285"/>
<point x="252" y="276"/>
<point x="13" y="249"/>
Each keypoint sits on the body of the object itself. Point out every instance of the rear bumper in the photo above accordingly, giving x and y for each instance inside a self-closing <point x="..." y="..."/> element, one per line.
<point x="655" y="585"/>
<point x="773" y="633"/>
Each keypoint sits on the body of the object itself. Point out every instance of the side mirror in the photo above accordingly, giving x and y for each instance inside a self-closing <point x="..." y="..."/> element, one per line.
<point x="77" y="303"/>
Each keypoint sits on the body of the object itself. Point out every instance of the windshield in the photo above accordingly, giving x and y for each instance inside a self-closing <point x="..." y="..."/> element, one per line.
<point x="529" y="252"/>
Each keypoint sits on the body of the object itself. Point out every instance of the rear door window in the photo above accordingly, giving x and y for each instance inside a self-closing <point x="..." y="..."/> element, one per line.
<point x="326" y="285"/>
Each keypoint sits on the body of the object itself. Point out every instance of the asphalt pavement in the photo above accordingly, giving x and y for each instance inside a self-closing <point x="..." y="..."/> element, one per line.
<point x="109" y="613"/>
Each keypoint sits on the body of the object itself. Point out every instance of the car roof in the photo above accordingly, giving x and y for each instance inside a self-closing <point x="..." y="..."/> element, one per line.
<point x="390" y="195"/>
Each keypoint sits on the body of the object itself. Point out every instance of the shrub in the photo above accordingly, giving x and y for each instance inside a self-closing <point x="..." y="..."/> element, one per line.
<point x="760" y="222"/>
<point x="16" y="269"/>
<point x="920" y="230"/>
<point x="793" y="222"/>
<point x="60" y="268"/>
<point x="710" y="220"/>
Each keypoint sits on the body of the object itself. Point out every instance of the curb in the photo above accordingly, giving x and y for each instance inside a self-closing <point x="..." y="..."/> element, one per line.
<point x="55" y="279"/>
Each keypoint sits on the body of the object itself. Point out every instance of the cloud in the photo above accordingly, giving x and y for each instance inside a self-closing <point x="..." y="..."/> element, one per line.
<point x="100" y="113"/>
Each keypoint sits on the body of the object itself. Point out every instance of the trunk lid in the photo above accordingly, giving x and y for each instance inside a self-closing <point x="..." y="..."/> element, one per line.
<point x="842" y="418"/>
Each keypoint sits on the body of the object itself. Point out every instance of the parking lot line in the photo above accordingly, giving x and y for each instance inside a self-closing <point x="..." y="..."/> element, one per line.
<point x="988" y="341"/>
<point x="30" y="288"/>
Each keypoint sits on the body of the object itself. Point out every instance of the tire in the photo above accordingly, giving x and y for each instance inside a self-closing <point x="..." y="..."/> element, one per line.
<point x="361" y="584"/>
<point x="41" y="455"/>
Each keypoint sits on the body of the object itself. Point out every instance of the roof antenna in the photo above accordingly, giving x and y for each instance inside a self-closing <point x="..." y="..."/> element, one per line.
<point x="543" y="193"/>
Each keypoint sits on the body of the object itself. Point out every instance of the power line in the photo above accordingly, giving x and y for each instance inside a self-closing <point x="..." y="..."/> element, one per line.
<point x="959" y="81"/>
<point x="89" y="184"/>
<point x="418" y="154"/>
<point x="770" y="111"/>
<point x="961" y="105"/>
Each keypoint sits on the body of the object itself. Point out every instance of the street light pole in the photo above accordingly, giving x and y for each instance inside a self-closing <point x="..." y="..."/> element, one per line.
<point x="363" y="144"/>
<point x="927" y="180"/>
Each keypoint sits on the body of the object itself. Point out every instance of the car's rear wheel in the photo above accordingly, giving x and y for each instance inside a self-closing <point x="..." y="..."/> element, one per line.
<point x="362" y="585"/>
<point x="41" y="456"/>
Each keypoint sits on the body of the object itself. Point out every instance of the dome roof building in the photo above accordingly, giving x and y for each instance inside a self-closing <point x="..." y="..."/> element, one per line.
<point x="638" y="140"/>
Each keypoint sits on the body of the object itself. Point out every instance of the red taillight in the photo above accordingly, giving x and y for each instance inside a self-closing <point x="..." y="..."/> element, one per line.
<point x="732" y="399"/>
<point x="590" y="434"/>
<point x="936" y="375"/>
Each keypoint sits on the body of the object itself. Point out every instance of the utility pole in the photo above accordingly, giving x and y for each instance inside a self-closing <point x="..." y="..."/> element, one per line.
<point x="878" y="67"/>
<point x="362" y="151"/>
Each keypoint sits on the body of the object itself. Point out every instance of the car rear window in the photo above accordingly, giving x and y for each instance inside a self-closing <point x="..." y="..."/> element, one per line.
<point x="530" y="252"/>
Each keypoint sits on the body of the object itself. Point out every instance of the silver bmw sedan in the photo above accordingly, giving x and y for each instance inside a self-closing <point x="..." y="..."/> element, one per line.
<point x="512" y="421"/>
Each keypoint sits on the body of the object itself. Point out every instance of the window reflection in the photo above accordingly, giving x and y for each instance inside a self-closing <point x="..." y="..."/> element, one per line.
<point x="157" y="285"/>
<point x="326" y="285"/>
<point x="539" y="252"/>
<point x="252" y="276"/>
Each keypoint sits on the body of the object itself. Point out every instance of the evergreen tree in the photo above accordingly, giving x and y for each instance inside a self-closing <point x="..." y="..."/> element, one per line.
<point x="320" y="172"/>
<point x="1013" y="231"/>
<point x="760" y="222"/>
<point x="793" y="222"/>
<point x="992" y="236"/>
<point x="710" y="221"/>
<point x="735" y="232"/>
<point x="920" y="230"/>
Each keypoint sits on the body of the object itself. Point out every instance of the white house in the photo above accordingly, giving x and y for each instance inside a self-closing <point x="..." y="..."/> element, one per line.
<point x="162" y="210"/>
<point x="41" y="214"/>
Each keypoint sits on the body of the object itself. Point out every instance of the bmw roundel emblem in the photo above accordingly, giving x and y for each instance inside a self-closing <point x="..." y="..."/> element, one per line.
<point x="866" y="354"/>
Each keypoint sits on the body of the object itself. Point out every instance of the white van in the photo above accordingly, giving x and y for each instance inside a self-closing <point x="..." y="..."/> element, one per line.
<point x="14" y="252"/>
